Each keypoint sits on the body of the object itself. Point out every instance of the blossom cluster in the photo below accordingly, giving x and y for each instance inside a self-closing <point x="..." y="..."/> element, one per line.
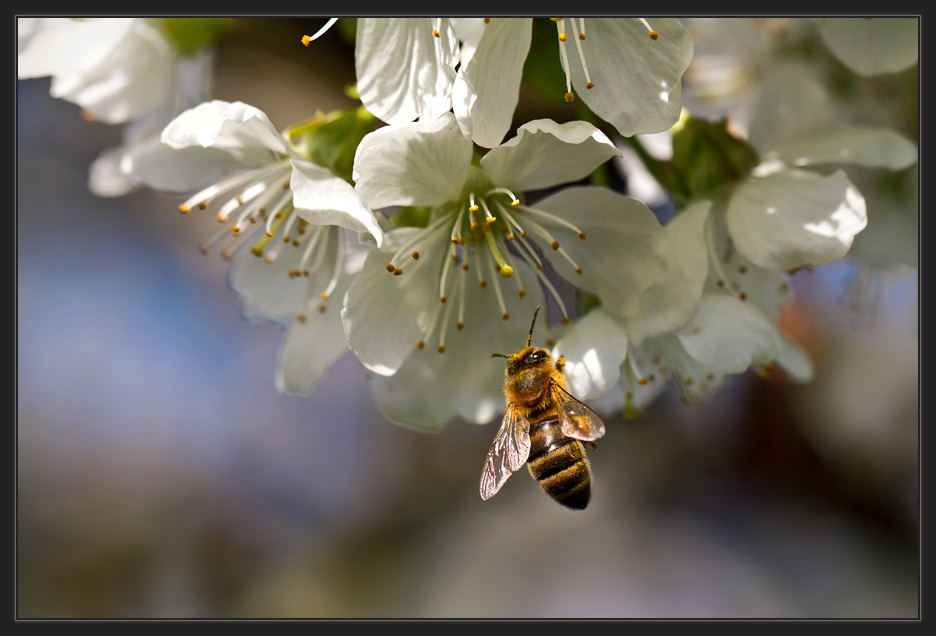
<point x="421" y="229"/>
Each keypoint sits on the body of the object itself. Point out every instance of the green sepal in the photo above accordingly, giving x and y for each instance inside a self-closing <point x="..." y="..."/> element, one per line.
<point x="411" y="216"/>
<point x="331" y="139"/>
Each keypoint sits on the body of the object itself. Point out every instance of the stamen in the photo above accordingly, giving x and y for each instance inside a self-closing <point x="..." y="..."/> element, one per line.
<point x="461" y="302"/>
<point x="310" y="248"/>
<point x="290" y="213"/>
<point x="490" y="217"/>
<point x="509" y="256"/>
<point x="560" y="24"/>
<point x="578" y="45"/>
<point x="500" y="295"/>
<point x="203" y="197"/>
<point x="514" y="201"/>
<point x="308" y="38"/>
<point x="423" y="235"/>
<point x="652" y="33"/>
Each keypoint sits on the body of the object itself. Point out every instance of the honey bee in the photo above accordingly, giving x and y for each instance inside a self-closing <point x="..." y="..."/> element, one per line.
<point x="544" y="427"/>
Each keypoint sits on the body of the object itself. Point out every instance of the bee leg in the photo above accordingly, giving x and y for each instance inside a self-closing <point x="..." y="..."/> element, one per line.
<point x="560" y="363"/>
<point x="592" y="445"/>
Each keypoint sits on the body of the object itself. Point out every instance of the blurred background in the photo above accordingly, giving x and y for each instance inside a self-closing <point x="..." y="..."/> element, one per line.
<point x="161" y="475"/>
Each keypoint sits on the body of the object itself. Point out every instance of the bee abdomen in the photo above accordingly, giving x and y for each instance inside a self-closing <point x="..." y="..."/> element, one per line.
<point x="559" y="465"/>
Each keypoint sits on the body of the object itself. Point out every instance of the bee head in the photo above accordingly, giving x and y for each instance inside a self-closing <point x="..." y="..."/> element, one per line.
<point x="527" y="358"/>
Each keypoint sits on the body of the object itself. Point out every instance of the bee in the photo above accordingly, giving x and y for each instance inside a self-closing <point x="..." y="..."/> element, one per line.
<point x="544" y="426"/>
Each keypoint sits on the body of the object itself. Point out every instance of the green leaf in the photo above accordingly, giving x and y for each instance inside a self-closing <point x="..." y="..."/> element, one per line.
<point x="191" y="35"/>
<point x="331" y="139"/>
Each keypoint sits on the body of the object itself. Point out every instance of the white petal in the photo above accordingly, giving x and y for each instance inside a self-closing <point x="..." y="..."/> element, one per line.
<point x="487" y="87"/>
<point x="871" y="46"/>
<point x="469" y="32"/>
<point x="399" y="76"/>
<point x="727" y="335"/>
<point x="637" y="79"/>
<point x="795" y="218"/>
<point x="594" y="349"/>
<point x="133" y="77"/>
<point x="385" y="315"/>
<point x="874" y="147"/>
<point x="624" y="248"/>
<point x="430" y="388"/>
<point x="105" y="178"/>
<point x="794" y="361"/>
<point x="312" y="344"/>
<point x="324" y="199"/>
<point x="425" y="163"/>
<point x="545" y="154"/>
<point x="669" y="305"/>
<point x="790" y="103"/>
<point x="159" y="167"/>
<point x="243" y="130"/>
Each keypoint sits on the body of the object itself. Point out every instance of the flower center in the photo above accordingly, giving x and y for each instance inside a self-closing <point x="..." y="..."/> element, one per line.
<point x="262" y="198"/>
<point x="563" y="54"/>
<point x="486" y="233"/>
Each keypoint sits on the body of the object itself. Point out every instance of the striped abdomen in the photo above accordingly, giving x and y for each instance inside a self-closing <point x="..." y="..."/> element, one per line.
<point x="558" y="464"/>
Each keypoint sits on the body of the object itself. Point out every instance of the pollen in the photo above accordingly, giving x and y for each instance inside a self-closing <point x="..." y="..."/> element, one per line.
<point x="390" y="267"/>
<point x="565" y="320"/>
<point x="506" y="316"/>
<point x="521" y="293"/>
<point x="483" y="283"/>
<point x="654" y="35"/>
<point x="642" y="381"/>
<point x="397" y="271"/>
<point x="460" y="326"/>
<point x="590" y="85"/>
<point x="324" y="294"/>
<point x="578" y="270"/>
<point x="562" y="37"/>
<point x="555" y="245"/>
<point x="487" y="20"/>
<point x="184" y="209"/>
<point x="306" y="39"/>
<point x="570" y="96"/>
<point x="441" y="349"/>
<point x="582" y="235"/>
<point x="435" y="33"/>
<point x="415" y="256"/>
<point x="443" y="299"/>
<point x="506" y="272"/>
<point x="202" y="205"/>
<point x="420" y="344"/>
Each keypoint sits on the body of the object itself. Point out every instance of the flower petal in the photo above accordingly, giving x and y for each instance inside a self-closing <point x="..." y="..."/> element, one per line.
<point x="315" y="341"/>
<point x="867" y="146"/>
<point x="795" y="218"/>
<point x="399" y="75"/>
<point x="425" y="163"/>
<point x="324" y="199"/>
<point x="487" y="86"/>
<point x="671" y="304"/>
<point x="385" y="315"/>
<point x="871" y="46"/>
<point x="623" y="253"/>
<point x="243" y="130"/>
<point x="636" y="79"/>
<point x="545" y="154"/>
<point x="727" y="335"/>
<point x="430" y="388"/>
<point x="794" y="361"/>
<point x="594" y="348"/>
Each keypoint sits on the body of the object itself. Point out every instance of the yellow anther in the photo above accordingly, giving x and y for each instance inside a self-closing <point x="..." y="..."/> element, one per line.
<point x="460" y="326"/>
<point x="570" y="96"/>
<point x="202" y="205"/>
<point x="322" y="309"/>
<point x="443" y="299"/>
<point x="566" y="320"/>
<point x="435" y="33"/>
<point x="590" y="85"/>
<point x="415" y="255"/>
<point x="390" y="267"/>
<point x="582" y="235"/>
<point x="397" y="271"/>
<point x="184" y="209"/>
<point x="654" y="35"/>
<point x="306" y="39"/>
<point x="420" y="344"/>
<point x="506" y="272"/>
<point x="642" y="381"/>
<point x="581" y="36"/>
<point x="515" y="202"/>
<point x="486" y="21"/>
<point x="521" y="293"/>
<point x="555" y="245"/>
<point x="324" y="295"/>
<point x="465" y="267"/>
<point x="483" y="283"/>
<point x="506" y="316"/>
<point x="473" y="208"/>
<point x="441" y="349"/>
<point x="301" y="317"/>
<point x="578" y="270"/>
<point x="562" y="37"/>
<point x="491" y="219"/>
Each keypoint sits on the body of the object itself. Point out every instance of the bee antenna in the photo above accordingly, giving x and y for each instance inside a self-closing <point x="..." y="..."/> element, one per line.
<point x="530" y="336"/>
<point x="499" y="355"/>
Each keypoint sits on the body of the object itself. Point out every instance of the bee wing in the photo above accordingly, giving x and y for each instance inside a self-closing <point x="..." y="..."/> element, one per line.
<point x="509" y="452"/>
<point x="577" y="420"/>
